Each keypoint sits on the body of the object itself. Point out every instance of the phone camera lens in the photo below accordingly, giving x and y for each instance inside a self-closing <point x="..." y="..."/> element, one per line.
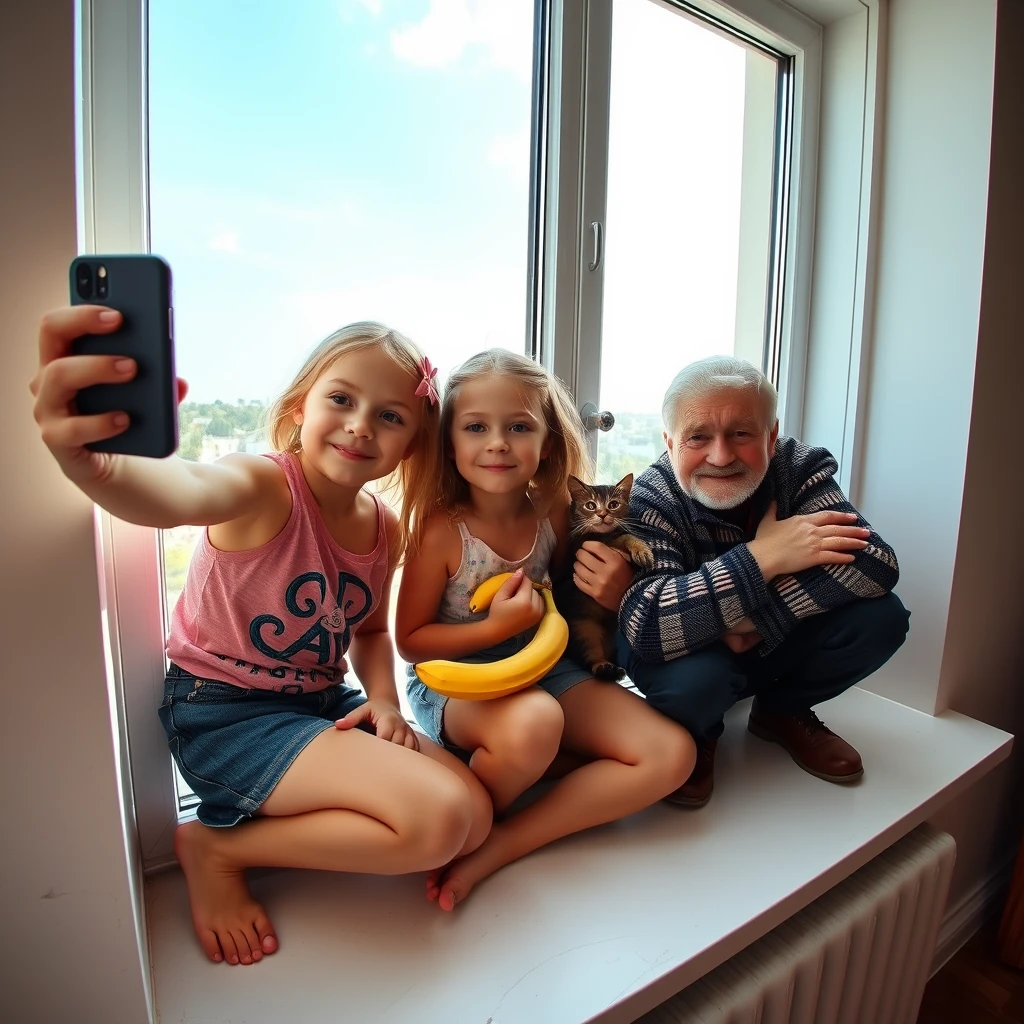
<point x="83" y="280"/>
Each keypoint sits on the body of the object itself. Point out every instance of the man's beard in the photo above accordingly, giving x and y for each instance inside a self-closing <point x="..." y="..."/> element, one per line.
<point x="743" y="486"/>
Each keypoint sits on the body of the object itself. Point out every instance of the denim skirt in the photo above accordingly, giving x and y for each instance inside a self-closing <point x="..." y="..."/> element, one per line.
<point x="233" y="744"/>
<point x="428" y="705"/>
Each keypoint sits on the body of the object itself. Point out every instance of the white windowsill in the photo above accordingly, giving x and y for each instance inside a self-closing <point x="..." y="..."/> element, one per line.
<point x="601" y="926"/>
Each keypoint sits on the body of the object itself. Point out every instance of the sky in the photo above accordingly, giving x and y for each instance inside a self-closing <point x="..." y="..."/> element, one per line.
<point x="327" y="161"/>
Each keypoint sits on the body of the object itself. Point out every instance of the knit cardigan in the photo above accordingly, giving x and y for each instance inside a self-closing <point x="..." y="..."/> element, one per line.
<point x="705" y="580"/>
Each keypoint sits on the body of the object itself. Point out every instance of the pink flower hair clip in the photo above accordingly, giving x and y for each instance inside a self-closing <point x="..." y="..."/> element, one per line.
<point x="426" y="387"/>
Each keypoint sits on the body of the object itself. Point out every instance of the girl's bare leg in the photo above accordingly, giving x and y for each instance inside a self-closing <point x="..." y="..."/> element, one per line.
<point x="349" y="802"/>
<point x="639" y="756"/>
<point x="513" y="739"/>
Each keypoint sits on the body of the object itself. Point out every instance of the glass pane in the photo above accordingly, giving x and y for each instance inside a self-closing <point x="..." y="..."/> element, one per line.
<point x="688" y="223"/>
<point x="317" y="163"/>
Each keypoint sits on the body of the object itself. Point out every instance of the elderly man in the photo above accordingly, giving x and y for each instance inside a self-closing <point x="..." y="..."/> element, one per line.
<point x="766" y="580"/>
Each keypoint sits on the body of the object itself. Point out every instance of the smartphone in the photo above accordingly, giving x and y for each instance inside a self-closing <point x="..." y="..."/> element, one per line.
<point x="139" y="288"/>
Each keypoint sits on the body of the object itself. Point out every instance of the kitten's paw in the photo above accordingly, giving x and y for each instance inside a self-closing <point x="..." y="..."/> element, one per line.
<point x="606" y="670"/>
<point x="640" y="554"/>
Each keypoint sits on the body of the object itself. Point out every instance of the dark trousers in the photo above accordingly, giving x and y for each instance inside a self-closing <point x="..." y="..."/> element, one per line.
<point x="825" y="655"/>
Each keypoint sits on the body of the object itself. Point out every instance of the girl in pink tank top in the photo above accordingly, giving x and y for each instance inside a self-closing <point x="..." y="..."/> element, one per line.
<point x="512" y="438"/>
<point x="290" y="579"/>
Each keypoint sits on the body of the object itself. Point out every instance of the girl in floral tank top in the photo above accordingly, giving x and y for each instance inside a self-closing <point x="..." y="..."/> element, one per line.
<point x="293" y="767"/>
<point x="511" y="438"/>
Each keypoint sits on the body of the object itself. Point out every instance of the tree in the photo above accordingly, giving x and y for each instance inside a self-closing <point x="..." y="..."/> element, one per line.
<point x="191" y="445"/>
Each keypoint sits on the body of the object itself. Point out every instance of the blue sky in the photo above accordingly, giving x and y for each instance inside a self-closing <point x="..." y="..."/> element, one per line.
<point x="334" y="160"/>
<point x="322" y="162"/>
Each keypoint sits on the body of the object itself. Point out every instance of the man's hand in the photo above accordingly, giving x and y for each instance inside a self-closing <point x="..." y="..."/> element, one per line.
<point x="742" y="636"/>
<point x="383" y="719"/>
<point x="740" y="643"/>
<point x="801" y="542"/>
<point x="603" y="573"/>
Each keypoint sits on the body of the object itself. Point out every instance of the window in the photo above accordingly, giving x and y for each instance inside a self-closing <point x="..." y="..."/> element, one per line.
<point x="687" y="242"/>
<point x="478" y="173"/>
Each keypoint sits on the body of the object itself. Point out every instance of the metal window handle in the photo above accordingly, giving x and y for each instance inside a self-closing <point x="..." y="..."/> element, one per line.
<point x="598" y="244"/>
<point x="595" y="420"/>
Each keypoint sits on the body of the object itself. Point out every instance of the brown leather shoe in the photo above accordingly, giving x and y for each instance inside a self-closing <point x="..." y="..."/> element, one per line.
<point x="696" y="790"/>
<point x="814" y="747"/>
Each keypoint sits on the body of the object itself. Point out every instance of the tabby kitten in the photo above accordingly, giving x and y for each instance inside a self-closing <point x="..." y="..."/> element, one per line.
<point x="599" y="512"/>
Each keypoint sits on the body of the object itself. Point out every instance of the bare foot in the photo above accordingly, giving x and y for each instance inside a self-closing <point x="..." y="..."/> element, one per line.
<point x="229" y="923"/>
<point x="454" y="882"/>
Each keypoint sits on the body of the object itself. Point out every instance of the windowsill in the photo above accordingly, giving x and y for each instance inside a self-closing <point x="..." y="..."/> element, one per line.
<point x="601" y="926"/>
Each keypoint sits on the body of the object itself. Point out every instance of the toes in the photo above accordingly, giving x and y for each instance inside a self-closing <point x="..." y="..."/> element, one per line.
<point x="227" y="943"/>
<point x="453" y="891"/>
<point x="434" y="883"/>
<point x="242" y="945"/>
<point x="254" y="944"/>
<point x="266" y="934"/>
<point x="211" y="947"/>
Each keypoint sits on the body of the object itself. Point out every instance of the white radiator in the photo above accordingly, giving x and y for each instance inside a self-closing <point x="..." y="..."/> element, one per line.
<point x="860" y="954"/>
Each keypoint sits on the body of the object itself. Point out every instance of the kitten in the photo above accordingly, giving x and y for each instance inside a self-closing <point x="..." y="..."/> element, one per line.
<point x="599" y="512"/>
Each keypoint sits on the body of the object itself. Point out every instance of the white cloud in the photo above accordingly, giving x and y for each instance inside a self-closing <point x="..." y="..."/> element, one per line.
<point x="224" y="240"/>
<point x="511" y="153"/>
<point x="501" y="31"/>
<point x="349" y="8"/>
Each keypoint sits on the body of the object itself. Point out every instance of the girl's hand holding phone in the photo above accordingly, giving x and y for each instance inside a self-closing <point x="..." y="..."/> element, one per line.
<point x="59" y="378"/>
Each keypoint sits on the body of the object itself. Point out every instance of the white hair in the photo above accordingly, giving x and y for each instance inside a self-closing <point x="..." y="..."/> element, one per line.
<point x="714" y="374"/>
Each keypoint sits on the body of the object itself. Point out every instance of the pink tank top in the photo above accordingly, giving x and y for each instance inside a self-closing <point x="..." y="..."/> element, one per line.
<point x="278" y="617"/>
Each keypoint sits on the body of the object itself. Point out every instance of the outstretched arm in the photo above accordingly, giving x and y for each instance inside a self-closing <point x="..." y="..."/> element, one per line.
<point x="150" y="492"/>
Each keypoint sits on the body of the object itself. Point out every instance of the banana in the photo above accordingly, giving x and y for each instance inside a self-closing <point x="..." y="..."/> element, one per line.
<point x="485" y="682"/>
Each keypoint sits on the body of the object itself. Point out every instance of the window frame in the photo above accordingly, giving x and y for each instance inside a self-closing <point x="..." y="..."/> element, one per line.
<point x="577" y="152"/>
<point x="562" y="329"/>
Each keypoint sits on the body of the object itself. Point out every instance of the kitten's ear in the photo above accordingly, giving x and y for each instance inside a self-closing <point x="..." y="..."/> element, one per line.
<point x="577" y="488"/>
<point x="625" y="485"/>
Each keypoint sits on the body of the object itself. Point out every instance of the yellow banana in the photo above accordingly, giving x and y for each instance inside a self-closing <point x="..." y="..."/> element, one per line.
<point x="485" y="682"/>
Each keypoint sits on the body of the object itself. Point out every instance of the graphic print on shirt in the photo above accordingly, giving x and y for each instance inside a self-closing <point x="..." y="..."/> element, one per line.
<point x="306" y="597"/>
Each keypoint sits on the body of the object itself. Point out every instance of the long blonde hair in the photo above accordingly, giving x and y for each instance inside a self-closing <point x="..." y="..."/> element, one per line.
<point x="568" y="456"/>
<point x="423" y="462"/>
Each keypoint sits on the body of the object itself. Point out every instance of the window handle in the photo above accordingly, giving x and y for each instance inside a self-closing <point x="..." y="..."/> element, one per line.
<point x="598" y="244"/>
<point x="595" y="420"/>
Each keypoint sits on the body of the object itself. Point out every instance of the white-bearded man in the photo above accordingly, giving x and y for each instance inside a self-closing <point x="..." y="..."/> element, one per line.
<point x="766" y="580"/>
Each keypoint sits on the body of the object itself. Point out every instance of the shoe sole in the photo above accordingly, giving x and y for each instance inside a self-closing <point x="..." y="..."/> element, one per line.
<point x="770" y="737"/>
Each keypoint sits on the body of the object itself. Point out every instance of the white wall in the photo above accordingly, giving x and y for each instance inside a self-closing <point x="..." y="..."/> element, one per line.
<point x="982" y="671"/>
<point x="69" y="950"/>
<point x="930" y="246"/>
<point x="938" y="462"/>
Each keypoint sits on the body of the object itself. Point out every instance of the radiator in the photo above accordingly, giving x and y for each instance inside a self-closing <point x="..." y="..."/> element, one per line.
<point x="860" y="954"/>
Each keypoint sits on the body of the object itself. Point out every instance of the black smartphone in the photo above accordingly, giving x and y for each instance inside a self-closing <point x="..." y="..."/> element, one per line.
<point x="139" y="288"/>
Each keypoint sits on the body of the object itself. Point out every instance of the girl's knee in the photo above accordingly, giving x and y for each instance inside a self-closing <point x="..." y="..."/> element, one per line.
<point x="436" y="817"/>
<point x="530" y="732"/>
<point x="447" y="826"/>
<point x="668" y="755"/>
<point x="481" y="816"/>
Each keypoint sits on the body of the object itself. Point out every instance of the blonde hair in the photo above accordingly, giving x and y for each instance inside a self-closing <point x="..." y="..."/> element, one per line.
<point x="283" y="432"/>
<point x="568" y="456"/>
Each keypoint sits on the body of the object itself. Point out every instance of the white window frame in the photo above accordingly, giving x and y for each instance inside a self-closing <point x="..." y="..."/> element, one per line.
<point x="825" y="299"/>
<point x="577" y="150"/>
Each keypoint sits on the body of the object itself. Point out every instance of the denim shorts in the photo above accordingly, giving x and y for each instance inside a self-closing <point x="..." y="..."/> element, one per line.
<point x="233" y="745"/>
<point x="428" y="705"/>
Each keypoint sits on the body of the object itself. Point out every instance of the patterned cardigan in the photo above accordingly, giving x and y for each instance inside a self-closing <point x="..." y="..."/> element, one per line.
<point x="705" y="579"/>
